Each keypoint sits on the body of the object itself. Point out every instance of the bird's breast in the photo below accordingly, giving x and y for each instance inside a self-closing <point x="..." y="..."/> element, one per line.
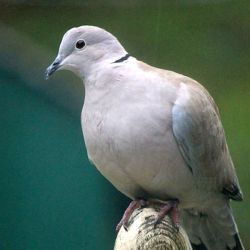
<point x="132" y="145"/>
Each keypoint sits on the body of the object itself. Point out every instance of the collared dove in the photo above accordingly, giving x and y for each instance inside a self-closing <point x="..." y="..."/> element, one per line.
<point x="154" y="134"/>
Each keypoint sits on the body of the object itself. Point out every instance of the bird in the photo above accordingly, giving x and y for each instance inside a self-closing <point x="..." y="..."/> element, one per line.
<point x="156" y="135"/>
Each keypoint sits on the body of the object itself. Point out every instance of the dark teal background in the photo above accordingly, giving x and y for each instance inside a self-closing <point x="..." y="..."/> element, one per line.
<point x="51" y="196"/>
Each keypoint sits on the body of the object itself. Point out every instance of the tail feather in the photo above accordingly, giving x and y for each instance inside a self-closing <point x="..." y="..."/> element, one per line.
<point x="213" y="229"/>
<point x="239" y="245"/>
<point x="199" y="247"/>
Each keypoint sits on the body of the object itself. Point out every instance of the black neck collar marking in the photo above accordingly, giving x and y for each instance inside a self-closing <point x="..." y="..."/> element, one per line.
<point x="122" y="59"/>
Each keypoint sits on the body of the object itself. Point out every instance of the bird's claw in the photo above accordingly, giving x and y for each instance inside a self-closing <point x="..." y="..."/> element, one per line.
<point x="128" y="212"/>
<point x="171" y="207"/>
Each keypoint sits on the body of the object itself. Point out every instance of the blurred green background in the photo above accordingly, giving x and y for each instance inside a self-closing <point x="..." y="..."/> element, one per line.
<point x="51" y="197"/>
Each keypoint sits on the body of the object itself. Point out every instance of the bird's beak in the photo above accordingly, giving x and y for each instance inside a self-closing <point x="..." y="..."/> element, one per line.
<point x="53" y="67"/>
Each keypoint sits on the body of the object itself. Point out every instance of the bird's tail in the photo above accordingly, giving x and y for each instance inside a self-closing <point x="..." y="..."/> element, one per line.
<point x="214" y="229"/>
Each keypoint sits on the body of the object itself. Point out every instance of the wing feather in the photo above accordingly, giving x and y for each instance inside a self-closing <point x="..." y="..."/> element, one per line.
<point x="201" y="139"/>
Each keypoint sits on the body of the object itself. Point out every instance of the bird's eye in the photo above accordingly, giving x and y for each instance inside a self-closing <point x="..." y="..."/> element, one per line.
<point x="80" y="44"/>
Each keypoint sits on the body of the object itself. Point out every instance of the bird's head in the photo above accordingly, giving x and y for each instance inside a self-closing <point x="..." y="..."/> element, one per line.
<point x="84" y="47"/>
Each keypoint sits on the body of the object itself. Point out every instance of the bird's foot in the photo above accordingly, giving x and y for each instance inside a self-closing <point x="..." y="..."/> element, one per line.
<point x="170" y="206"/>
<point x="128" y="212"/>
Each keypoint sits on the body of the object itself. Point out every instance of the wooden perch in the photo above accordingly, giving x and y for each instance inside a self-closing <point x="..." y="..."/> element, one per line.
<point x="141" y="234"/>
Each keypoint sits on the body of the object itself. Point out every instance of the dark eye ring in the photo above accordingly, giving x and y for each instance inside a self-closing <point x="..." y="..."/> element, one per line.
<point x="80" y="44"/>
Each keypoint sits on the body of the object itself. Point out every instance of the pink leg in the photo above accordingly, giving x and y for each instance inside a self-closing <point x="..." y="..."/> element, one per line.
<point x="172" y="207"/>
<point x="175" y="215"/>
<point x="128" y="212"/>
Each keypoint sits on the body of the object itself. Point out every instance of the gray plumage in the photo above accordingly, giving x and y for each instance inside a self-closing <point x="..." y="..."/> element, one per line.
<point x="154" y="134"/>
